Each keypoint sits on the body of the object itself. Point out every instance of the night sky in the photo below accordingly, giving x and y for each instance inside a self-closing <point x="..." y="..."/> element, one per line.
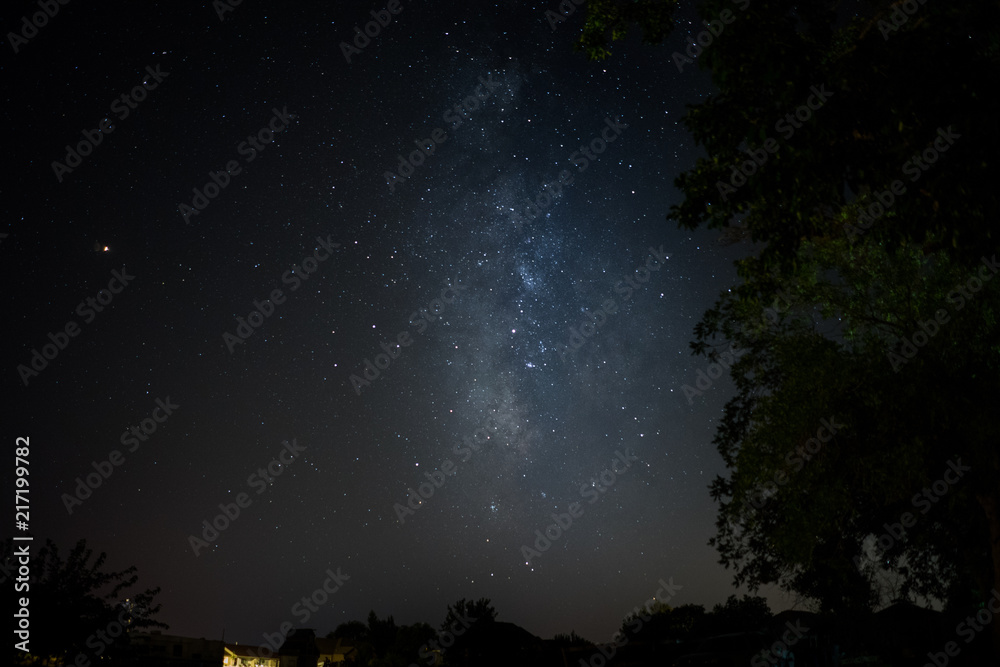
<point x="343" y="267"/>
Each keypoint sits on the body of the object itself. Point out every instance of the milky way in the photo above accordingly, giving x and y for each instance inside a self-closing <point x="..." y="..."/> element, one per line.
<point x="507" y="349"/>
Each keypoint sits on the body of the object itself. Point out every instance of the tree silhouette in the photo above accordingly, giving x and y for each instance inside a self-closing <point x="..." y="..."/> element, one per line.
<point x="685" y="620"/>
<point x="874" y="207"/>
<point x="464" y="611"/>
<point x="460" y="621"/>
<point x="409" y="640"/>
<point x="746" y="614"/>
<point x="571" y="640"/>
<point x="897" y="433"/>
<point x="381" y="635"/>
<point x="648" y="623"/>
<point x="356" y="634"/>
<point x="877" y="114"/>
<point x="353" y="631"/>
<point x="381" y="643"/>
<point x="608" y="20"/>
<point x="77" y="608"/>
